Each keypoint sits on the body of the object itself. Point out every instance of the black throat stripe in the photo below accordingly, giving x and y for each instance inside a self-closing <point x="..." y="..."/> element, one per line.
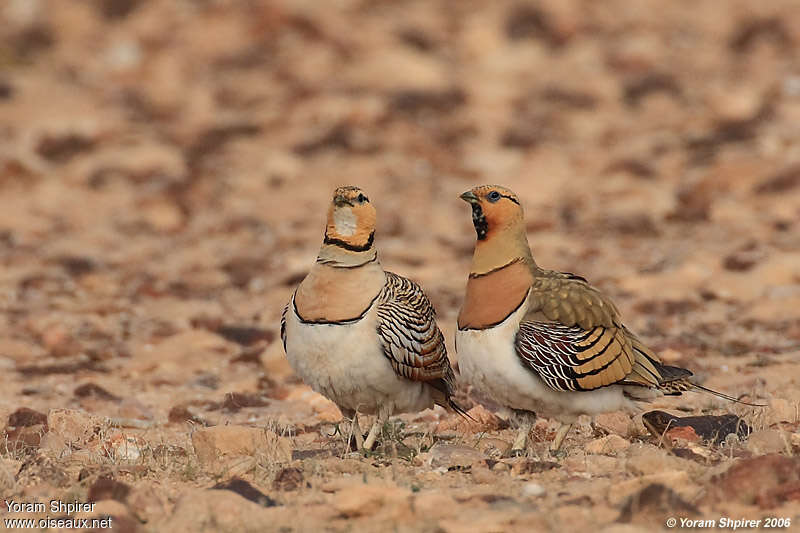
<point x="479" y="221"/>
<point x="352" y="247"/>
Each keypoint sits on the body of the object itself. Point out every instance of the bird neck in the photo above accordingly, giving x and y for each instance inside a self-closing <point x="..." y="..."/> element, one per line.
<point x="336" y="256"/>
<point x="502" y="272"/>
<point x="501" y="248"/>
<point x="341" y="285"/>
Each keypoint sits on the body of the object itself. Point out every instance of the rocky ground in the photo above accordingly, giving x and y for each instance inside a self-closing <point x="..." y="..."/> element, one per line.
<point x="165" y="166"/>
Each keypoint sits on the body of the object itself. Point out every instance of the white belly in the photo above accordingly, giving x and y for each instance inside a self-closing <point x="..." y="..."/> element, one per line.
<point x="488" y="361"/>
<point x="346" y="364"/>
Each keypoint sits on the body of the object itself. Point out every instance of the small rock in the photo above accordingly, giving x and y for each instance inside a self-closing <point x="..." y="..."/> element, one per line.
<point x="483" y="420"/>
<point x="247" y="491"/>
<point x="766" y="441"/>
<point x="481" y="473"/>
<point x="24" y="438"/>
<point x="128" y="448"/>
<point x="367" y="500"/>
<point x="162" y="216"/>
<point x="76" y="427"/>
<point x="782" y="410"/>
<point x="106" y="488"/>
<point x="608" y="445"/>
<point x="288" y="479"/>
<point x="532" y="490"/>
<point x="134" y="409"/>
<point x="147" y="500"/>
<point x="215" y="442"/>
<point x="734" y="105"/>
<point x="643" y="460"/>
<point x="453" y="455"/>
<point x="677" y="481"/>
<point x="617" y="423"/>
<point x="59" y="342"/>
<point x="655" y="502"/>
<point x="24" y="417"/>
<point x="185" y="413"/>
<point x="434" y="505"/>
<point x="767" y="481"/>
<point x="205" y="511"/>
<point x="92" y="390"/>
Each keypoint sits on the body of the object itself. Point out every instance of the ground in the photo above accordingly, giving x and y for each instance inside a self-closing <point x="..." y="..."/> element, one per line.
<point x="165" y="167"/>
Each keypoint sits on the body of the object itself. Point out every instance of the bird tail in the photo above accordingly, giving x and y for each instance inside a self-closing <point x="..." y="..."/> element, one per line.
<point x="674" y="380"/>
<point x="725" y="396"/>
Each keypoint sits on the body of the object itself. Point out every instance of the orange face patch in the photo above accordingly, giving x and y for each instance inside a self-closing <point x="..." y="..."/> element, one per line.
<point x="351" y="220"/>
<point x="494" y="208"/>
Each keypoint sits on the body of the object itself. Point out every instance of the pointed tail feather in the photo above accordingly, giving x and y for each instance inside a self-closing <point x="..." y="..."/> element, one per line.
<point x="725" y="396"/>
<point x="672" y="380"/>
<point x="675" y="380"/>
<point x="460" y="410"/>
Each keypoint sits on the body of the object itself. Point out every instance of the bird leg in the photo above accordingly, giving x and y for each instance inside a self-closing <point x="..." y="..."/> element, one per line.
<point x="559" y="439"/>
<point x="520" y="443"/>
<point x="383" y="416"/>
<point x="355" y="430"/>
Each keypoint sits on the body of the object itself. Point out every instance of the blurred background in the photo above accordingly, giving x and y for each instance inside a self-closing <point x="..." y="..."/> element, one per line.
<point x="165" y="167"/>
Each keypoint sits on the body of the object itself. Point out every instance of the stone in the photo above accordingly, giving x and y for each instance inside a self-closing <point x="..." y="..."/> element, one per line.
<point x="125" y="448"/>
<point x="608" y="445"/>
<point x="148" y="500"/>
<point x="482" y="420"/>
<point x="290" y="478"/>
<point x="766" y="481"/>
<point x="533" y="490"/>
<point x="434" y="505"/>
<point x="106" y="488"/>
<point x="647" y="459"/>
<point x="617" y="422"/>
<point x="75" y="427"/>
<point x="782" y="410"/>
<point x="481" y="473"/>
<point x="677" y="481"/>
<point x="207" y="511"/>
<point x="213" y="443"/>
<point x="767" y="441"/>
<point x="368" y="500"/>
<point x="453" y="455"/>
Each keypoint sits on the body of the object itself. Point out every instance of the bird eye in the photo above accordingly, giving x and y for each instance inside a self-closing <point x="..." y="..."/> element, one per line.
<point x="361" y="198"/>
<point x="494" y="196"/>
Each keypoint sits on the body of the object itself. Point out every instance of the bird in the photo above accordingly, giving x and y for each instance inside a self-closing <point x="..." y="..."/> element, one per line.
<point x="545" y="342"/>
<point x="365" y="338"/>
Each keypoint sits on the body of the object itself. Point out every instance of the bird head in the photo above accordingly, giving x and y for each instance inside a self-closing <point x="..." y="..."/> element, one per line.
<point x="494" y="209"/>
<point x="500" y="224"/>
<point x="351" y="220"/>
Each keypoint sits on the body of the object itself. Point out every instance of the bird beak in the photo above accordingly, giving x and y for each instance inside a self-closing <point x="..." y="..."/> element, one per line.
<point x="469" y="197"/>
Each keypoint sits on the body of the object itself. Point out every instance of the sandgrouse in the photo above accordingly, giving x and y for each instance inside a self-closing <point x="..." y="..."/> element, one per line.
<point x="364" y="338"/>
<point x="542" y="341"/>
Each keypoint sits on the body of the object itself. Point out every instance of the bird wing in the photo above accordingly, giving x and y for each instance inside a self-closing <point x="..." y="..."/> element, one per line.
<point x="283" y="323"/>
<point x="411" y="339"/>
<point x="571" y="336"/>
<point x="569" y="300"/>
